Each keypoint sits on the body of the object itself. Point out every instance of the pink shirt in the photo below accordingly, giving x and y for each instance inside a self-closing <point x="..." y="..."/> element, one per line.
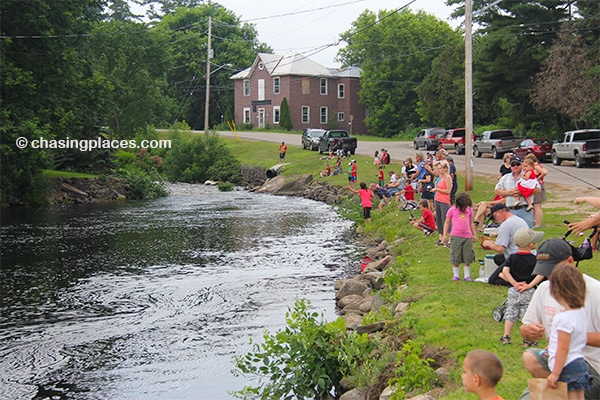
<point x="461" y="222"/>
<point x="365" y="197"/>
<point x="442" y="197"/>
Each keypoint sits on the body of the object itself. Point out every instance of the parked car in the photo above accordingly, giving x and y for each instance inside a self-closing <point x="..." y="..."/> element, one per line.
<point x="583" y="146"/>
<point x="455" y="140"/>
<point x="496" y="142"/>
<point x="326" y="142"/>
<point x="541" y="148"/>
<point x="428" y="138"/>
<point x="311" y="137"/>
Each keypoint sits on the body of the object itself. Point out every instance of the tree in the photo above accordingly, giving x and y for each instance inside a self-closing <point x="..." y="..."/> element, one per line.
<point x="285" y="119"/>
<point x="395" y="51"/>
<point x="565" y="84"/>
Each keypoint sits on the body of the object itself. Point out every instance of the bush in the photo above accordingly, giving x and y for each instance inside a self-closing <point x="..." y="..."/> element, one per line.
<point x="226" y="186"/>
<point x="145" y="185"/>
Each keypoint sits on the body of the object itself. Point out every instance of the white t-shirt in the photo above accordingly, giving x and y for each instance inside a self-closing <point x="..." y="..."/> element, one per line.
<point x="508" y="182"/>
<point x="506" y="234"/>
<point x="574" y="323"/>
<point x="542" y="309"/>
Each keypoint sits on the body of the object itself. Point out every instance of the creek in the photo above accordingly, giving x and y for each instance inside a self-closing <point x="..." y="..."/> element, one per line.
<point x="152" y="299"/>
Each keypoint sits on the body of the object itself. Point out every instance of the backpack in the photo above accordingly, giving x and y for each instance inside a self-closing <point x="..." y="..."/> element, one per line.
<point x="387" y="158"/>
<point x="410" y="205"/>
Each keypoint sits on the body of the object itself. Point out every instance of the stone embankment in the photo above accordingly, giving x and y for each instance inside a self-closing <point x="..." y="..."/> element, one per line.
<point x="88" y="190"/>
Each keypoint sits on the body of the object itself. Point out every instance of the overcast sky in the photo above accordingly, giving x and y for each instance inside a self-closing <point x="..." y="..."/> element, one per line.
<point x="305" y="26"/>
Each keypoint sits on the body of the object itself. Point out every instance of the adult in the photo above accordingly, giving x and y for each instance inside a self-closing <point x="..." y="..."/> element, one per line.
<point x="543" y="307"/>
<point x="282" y="151"/>
<point x="505" y="241"/>
<point x="507" y="187"/>
<point x="383" y="194"/>
<point x="408" y="170"/>
<point x="441" y="191"/>
<point x="538" y="199"/>
<point x="421" y="171"/>
<point x="396" y="183"/>
<point x="483" y="209"/>
<point x="452" y="172"/>
<point x="505" y="167"/>
<point x="592" y="220"/>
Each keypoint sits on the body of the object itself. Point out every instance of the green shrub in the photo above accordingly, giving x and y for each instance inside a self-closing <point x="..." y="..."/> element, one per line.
<point x="411" y="372"/>
<point x="305" y="360"/>
<point x="226" y="186"/>
<point x="145" y="185"/>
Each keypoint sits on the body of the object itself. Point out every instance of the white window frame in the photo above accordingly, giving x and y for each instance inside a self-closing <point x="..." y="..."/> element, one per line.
<point x="276" y="114"/>
<point x="324" y="114"/>
<point x="261" y="89"/>
<point x="246" y="87"/>
<point x="276" y="85"/>
<point x="305" y="114"/>
<point x="323" y="86"/>
<point x="341" y="91"/>
<point x="341" y="116"/>
<point x="246" y="115"/>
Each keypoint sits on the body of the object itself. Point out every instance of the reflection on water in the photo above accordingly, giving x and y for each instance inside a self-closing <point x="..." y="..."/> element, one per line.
<point x="150" y="300"/>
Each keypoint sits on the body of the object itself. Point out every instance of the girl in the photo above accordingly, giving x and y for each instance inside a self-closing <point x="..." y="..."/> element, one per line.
<point x="376" y="159"/>
<point x="528" y="182"/>
<point x="462" y="235"/>
<point x="538" y="199"/>
<point x="365" y="198"/>
<point x="442" y="190"/>
<point x="568" y="334"/>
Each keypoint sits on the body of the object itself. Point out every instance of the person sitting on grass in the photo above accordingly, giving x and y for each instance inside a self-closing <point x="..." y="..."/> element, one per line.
<point x="326" y="171"/>
<point x="427" y="221"/>
<point x="382" y="193"/>
<point x="482" y="370"/>
<point x="518" y="271"/>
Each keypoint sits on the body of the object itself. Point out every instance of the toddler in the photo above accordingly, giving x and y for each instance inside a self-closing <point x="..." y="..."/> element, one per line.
<point x="528" y="182"/>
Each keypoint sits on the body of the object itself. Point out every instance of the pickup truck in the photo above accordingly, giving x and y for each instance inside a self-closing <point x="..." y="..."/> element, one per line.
<point x="326" y="142"/>
<point x="583" y="146"/>
<point x="496" y="142"/>
<point x="455" y="140"/>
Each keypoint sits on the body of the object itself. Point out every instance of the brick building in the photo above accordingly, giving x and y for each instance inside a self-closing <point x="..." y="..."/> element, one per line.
<point x="318" y="97"/>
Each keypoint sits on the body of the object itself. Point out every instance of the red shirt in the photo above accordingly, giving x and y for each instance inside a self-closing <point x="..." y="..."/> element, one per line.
<point x="428" y="218"/>
<point x="409" y="193"/>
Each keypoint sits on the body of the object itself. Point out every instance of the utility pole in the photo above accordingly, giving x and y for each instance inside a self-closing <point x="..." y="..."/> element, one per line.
<point x="468" y="95"/>
<point x="209" y="56"/>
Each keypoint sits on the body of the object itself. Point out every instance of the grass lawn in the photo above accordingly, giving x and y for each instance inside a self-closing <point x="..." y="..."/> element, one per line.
<point x="49" y="173"/>
<point x="455" y="316"/>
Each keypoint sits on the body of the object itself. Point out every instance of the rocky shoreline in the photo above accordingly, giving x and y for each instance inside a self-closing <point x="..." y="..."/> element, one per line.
<point x="88" y="190"/>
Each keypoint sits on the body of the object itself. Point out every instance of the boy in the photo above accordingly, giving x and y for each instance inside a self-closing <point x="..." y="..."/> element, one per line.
<point x="427" y="221"/>
<point x="517" y="270"/>
<point x="482" y="371"/>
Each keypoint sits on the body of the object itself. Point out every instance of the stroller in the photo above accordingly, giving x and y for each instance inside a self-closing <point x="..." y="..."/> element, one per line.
<point x="583" y="252"/>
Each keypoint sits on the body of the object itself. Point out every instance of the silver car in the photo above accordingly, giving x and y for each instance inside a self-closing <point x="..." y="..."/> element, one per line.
<point x="311" y="137"/>
<point x="428" y="138"/>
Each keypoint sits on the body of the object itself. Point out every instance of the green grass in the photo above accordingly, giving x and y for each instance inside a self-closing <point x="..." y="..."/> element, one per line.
<point x="50" y="173"/>
<point x="456" y="316"/>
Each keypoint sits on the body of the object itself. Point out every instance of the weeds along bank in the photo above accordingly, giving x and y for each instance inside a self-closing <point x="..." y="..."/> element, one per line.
<point x="446" y="319"/>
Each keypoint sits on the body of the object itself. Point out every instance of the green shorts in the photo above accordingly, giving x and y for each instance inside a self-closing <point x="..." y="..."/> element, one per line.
<point x="461" y="250"/>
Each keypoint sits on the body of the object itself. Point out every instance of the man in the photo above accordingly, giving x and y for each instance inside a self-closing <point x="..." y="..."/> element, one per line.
<point x="537" y="320"/>
<point x="396" y="184"/>
<point x="505" y="242"/>
<point x="507" y="187"/>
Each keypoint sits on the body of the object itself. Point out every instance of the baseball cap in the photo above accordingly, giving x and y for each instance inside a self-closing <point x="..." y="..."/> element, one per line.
<point x="550" y="253"/>
<point x="498" y="207"/>
<point x="515" y="159"/>
<point x="449" y="158"/>
<point x="524" y="236"/>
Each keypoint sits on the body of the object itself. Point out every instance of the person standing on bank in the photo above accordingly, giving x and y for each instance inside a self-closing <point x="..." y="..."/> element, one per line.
<point x="507" y="187"/>
<point x="282" y="151"/>
<point x="442" y="190"/>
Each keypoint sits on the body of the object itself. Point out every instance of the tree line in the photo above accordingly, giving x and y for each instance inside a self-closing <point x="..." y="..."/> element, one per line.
<point x="82" y="69"/>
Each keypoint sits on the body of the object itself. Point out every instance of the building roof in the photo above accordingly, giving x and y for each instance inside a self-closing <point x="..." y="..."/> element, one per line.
<point x="293" y="63"/>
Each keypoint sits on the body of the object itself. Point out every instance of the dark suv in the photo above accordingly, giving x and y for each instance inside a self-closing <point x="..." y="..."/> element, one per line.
<point x="311" y="137"/>
<point x="428" y="138"/>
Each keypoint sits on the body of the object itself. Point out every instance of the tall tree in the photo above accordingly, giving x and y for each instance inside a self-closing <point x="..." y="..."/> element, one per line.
<point x="395" y="51"/>
<point x="233" y="43"/>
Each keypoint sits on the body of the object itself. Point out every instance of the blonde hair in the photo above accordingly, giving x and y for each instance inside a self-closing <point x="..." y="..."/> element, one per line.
<point x="486" y="365"/>
<point x="529" y="162"/>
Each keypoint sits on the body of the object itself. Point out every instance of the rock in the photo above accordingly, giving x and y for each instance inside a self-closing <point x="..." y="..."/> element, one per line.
<point x="422" y="397"/>
<point x="351" y="287"/>
<point x="379" y="265"/>
<point x="350" y="299"/>
<point x="443" y="375"/>
<point x="353" y="320"/>
<point x="386" y="394"/>
<point x="376" y="327"/>
<point x="401" y="309"/>
<point x="72" y="191"/>
<point x="366" y="304"/>
<point x="354" y="394"/>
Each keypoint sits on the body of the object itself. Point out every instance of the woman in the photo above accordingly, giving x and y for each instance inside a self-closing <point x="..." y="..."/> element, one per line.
<point x="540" y="198"/>
<point x="505" y="168"/>
<point x="442" y="190"/>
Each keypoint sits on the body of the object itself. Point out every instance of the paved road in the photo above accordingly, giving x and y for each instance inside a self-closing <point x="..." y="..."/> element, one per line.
<point x="586" y="178"/>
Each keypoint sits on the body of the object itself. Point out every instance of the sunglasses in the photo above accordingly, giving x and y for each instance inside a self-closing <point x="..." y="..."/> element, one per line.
<point x="516" y="164"/>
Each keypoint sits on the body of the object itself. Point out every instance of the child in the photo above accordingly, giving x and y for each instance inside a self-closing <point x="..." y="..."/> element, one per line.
<point x="326" y="171"/>
<point x="528" y="182"/>
<point x="462" y="235"/>
<point x="427" y="221"/>
<point x="376" y="159"/>
<point x="482" y="371"/>
<point x="517" y="270"/>
<point x="381" y="176"/>
<point x="365" y="198"/>
<point x="352" y="174"/>
<point x="568" y="334"/>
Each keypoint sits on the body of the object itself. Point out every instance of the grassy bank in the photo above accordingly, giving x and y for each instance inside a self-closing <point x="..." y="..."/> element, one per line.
<point x="453" y="316"/>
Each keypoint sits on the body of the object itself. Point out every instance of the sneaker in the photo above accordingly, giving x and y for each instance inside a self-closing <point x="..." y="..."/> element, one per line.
<point x="505" y="339"/>
<point x="438" y="243"/>
<point x="468" y="279"/>
<point x="428" y="233"/>
<point x="529" y="208"/>
<point x="456" y="279"/>
<point x="530" y="344"/>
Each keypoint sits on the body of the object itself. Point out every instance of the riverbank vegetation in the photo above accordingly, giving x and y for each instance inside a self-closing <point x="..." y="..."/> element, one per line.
<point x="445" y="317"/>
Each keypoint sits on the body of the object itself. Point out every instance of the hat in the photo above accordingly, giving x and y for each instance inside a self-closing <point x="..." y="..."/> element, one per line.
<point x="350" y="163"/>
<point x="524" y="236"/>
<point x="353" y="161"/>
<point x="550" y="253"/>
<point x="449" y="158"/>
<point x="498" y="207"/>
<point x="515" y="159"/>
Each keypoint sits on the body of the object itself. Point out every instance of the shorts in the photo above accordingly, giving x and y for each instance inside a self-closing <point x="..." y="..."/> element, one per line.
<point x="541" y="197"/>
<point x="351" y="178"/>
<point x="517" y="303"/>
<point x="367" y="212"/>
<point x="576" y="375"/>
<point x="592" y="392"/>
<point x="461" y="250"/>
